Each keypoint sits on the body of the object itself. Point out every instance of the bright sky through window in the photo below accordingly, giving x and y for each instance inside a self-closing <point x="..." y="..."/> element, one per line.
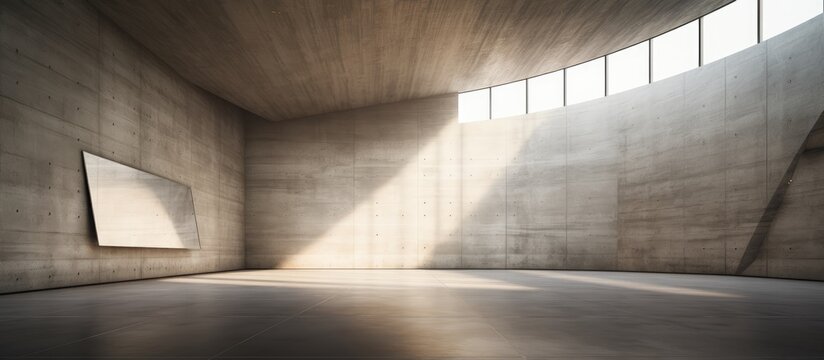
<point x="473" y="105"/>
<point x="781" y="15"/>
<point x="730" y="29"/>
<point x="585" y="81"/>
<point x="509" y="99"/>
<point x="546" y="91"/>
<point x="628" y="68"/>
<point x="675" y="52"/>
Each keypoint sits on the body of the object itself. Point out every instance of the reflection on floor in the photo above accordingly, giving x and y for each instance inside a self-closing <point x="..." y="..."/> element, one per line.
<point x="472" y="314"/>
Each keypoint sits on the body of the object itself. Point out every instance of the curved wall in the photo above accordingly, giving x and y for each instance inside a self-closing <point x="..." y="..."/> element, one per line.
<point x="682" y="175"/>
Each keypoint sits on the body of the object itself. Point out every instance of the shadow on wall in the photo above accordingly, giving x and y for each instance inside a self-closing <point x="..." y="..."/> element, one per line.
<point x="811" y="145"/>
<point x="340" y="190"/>
<point x="671" y="177"/>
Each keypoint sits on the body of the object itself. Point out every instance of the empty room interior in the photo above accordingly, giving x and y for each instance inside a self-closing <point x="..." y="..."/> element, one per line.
<point x="412" y="179"/>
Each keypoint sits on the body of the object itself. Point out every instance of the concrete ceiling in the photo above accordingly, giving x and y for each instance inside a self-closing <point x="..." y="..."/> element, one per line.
<point x="294" y="58"/>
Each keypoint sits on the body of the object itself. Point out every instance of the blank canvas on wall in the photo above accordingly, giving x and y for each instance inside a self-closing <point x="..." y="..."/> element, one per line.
<point x="133" y="208"/>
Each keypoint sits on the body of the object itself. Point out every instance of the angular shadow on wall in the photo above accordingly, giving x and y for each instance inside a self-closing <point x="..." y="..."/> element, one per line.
<point x="814" y="141"/>
<point x="406" y="186"/>
<point x="324" y="189"/>
<point x="513" y="192"/>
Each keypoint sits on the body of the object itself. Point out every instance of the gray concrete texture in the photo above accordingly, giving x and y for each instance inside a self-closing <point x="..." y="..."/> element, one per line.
<point x="675" y="176"/>
<point x="420" y="314"/>
<point x="70" y="80"/>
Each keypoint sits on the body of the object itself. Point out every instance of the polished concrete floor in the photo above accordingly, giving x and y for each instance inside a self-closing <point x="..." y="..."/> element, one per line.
<point x="428" y="314"/>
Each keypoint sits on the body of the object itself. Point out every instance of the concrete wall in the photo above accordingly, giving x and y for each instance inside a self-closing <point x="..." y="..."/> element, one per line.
<point x="675" y="177"/>
<point x="71" y="81"/>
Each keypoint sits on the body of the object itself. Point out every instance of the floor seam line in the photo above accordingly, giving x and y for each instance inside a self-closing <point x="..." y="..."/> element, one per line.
<point x="84" y="339"/>
<point x="484" y="318"/>
<point x="272" y="326"/>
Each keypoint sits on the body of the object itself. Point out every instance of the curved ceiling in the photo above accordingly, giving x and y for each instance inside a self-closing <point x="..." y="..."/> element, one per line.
<point x="295" y="58"/>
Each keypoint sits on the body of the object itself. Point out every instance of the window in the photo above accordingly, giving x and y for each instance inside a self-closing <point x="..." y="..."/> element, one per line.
<point x="781" y="15"/>
<point x="719" y="34"/>
<point x="546" y="91"/>
<point x="628" y="68"/>
<point x="675" y="51"/>
<point x="585" y="81"/>
<point x="473" y="105"/>
<point x="730" y="29"/>
<point x="509" y="99"/>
